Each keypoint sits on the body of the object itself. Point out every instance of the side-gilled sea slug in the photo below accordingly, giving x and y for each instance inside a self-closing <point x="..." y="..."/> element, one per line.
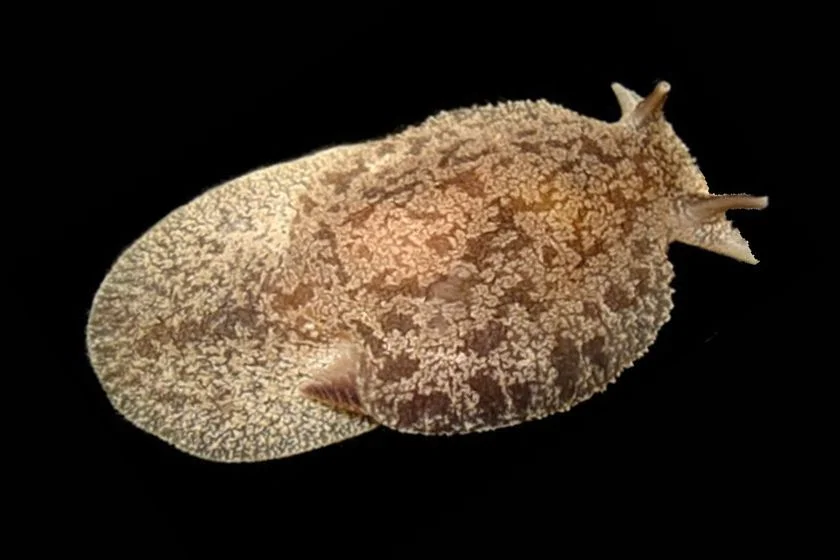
<point x="491" y="266"/>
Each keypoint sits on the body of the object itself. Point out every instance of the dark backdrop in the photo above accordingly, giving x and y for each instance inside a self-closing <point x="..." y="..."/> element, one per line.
<point x="696" y="437"/>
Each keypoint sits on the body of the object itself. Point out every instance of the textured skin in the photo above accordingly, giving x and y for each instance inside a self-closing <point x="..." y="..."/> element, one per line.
<point x="491" y="266"/>
<point x="518" y="265"/>
<point x="190" y="334"/>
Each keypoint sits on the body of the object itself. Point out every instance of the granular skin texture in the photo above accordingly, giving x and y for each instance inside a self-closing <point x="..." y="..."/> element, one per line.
<point x="490" y="266"/>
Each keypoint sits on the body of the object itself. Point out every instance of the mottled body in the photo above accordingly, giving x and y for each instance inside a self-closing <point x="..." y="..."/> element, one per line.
<point x="488" y="267"/>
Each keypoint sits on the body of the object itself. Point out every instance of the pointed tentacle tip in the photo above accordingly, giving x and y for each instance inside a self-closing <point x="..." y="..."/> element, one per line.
<point x="627" y="99"/>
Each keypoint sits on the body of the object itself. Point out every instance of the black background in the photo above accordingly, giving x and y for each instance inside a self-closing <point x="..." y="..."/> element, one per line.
<point x="698" y="439"/>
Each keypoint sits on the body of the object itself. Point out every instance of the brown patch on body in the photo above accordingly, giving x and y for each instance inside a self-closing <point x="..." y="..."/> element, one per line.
<point x="439" y="244"/>
<point x="550" y="255"/>
<point x="639" y="248"/>
<point x="417" y="145"/>
<point x="408" y="287"/>
<point x="374" y="193"/>
<point x="400" y="195"/>
<point x="479" y="248"/>
<point x="300" y="296"/>
<point x="144" y="348"/>
<point x="307" y="205"/>
<point x="591" y="310"/>
<point x="224" y="322"/>
<point x="628" y="224"/>
<point x="395" y="320"/>
<point x="616" y="197"/>
<point x="491" y="400"/>
<point x="594" y="350"/>
<point x="438" y="322"/>
<point x="468" y="182"/>
<point x="413" y="412"/>
<point x="341" y="180"/>
<point x="617" y="298"/>
<point x="520" y="396"/>
<point x="400" y="367"/>
<point x="565" y="359"/>
<point x="362" y="252"/>
<point x="159" y="333"/>
<point x="529" y="147"/>
<point x="508" y="238"/>
<point x="359" y="217"/>
<point x="519" y="243"/>
<point x="641" y="277"/>
<point x="557" y="144"/>
<point x="483" y="341"/>
<point x="506" y="216"/>
<point x="369" y="337"/>
<point x="325" y="233"/>
<point x="385" y="148"/>
<point x="591" y="147"/>
<point x="504" y="162"/>
<point x="449" y="288"/>
<point x="585" y="253"/>
<point x="523" y="294"/>
<point x="449" y="152"/>
<point x="458" y="160"/>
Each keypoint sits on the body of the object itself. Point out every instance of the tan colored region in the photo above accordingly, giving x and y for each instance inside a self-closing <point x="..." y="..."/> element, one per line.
<point x="490" y="266"/>
<point x="196" y="340"/>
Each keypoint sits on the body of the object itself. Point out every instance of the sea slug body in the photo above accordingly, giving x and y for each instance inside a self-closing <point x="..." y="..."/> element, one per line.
<point x="490" y="266"/>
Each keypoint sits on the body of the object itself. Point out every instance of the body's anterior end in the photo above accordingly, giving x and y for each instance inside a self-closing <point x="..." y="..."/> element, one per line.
<point x="702" y="222"/>
<point x="713" y="207"/>
<point x="627" y="99"/>
<point x="651" y="106"/>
